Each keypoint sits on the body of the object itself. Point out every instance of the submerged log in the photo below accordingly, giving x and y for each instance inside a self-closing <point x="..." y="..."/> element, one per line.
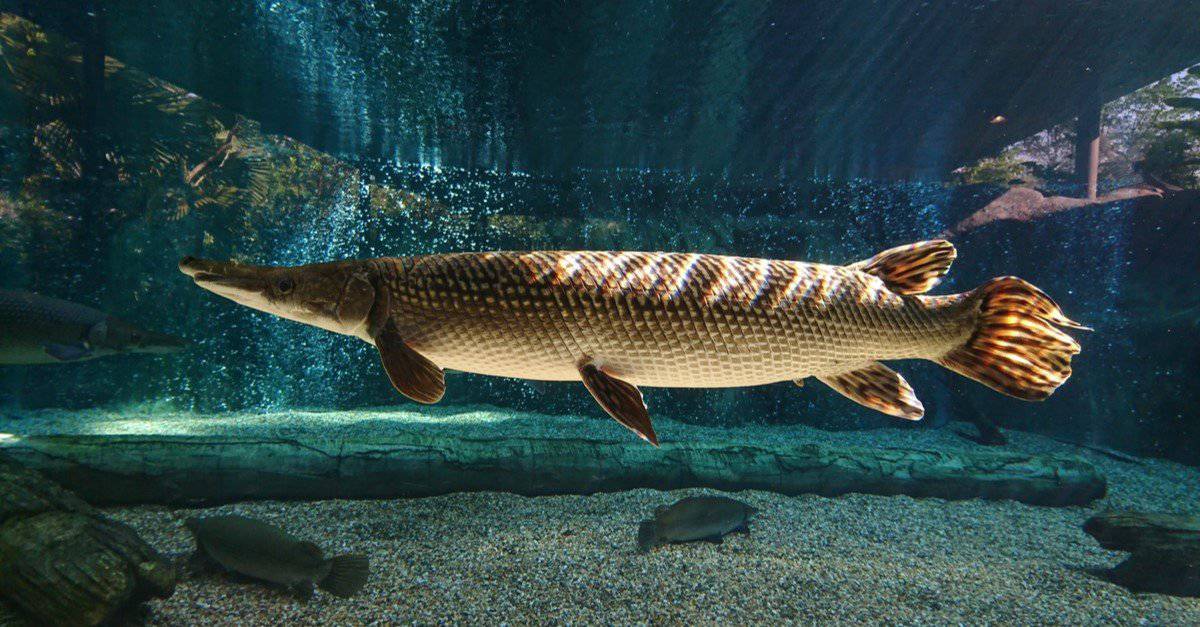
<point x="206" y="470"/>
<point x="62" y="563"/>
<point x="1164" y="550"/>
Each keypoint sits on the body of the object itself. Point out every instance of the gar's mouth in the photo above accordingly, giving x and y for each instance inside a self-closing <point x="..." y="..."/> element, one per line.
<point x="229" y="285"/>
<point x="192" y="266"/>
<point x="223" y="277"/>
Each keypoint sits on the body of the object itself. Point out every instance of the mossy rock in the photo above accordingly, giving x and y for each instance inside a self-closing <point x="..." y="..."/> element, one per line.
<point x="62" y="563"/>
<point x="25" y="492"/>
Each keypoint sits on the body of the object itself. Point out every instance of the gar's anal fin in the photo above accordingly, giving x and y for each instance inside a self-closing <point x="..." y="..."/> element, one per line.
<point x="622" y="400"/>
<point x="411" y="373"/>
<point x="880" y="388"/>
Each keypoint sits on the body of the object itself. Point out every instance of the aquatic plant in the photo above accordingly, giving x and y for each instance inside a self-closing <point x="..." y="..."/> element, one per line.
<point x="1173" y="157"/>
<point x="166" y="154"/>
<point x="1005" y="169"/>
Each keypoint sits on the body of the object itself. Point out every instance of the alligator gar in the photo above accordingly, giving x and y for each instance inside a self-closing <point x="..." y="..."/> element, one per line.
<point x="618" y="320"/>
<point x="37" y="329"/>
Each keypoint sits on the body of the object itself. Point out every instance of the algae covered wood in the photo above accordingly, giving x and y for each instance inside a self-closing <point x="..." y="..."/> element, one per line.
<point x="181" y="469"/>
<point x="1164" y="550"/>
<point x="1139" y="531"/>
<point x="61" y="563"/>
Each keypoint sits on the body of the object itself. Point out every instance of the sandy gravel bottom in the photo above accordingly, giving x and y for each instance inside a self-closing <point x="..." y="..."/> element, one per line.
<point x="499" y="558"/>
<point x="489" y="558"/>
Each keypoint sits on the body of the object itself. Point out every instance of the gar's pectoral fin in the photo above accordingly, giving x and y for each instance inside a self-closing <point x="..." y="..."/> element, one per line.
<point x="68" y="352"/>
<point x="880" y="388"/>
<point x="622" y="400"/>
<point x="411" y="373"/>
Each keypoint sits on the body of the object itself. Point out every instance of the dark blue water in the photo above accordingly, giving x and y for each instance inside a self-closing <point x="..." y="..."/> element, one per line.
<point x="756" y="129"/>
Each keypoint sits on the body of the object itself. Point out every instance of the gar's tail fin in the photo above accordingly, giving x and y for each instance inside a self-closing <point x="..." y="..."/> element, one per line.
<point x="1017" y="347"/>
<point x="347" y="575"/>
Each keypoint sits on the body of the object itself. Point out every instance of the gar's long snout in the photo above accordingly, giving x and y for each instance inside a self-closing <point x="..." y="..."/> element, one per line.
<point x="209" y="269"/>
<point x="227" y="278"/>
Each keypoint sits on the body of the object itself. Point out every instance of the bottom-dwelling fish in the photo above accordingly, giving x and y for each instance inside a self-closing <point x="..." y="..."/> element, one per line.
<point x="38" y="329"/>
<point x="619" y="320"/>
<point x="261" y="551"/>
<point x="708" y="518"/>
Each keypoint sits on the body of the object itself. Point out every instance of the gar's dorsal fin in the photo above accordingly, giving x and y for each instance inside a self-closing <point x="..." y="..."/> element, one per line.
<point x="880" y="388"/>
<point x="911" y="269"/>
<point x="412" y="374"/>
<point x="622" y="400"/>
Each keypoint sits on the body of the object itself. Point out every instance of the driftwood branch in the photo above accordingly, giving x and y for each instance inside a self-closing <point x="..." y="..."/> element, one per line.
<point x="1024" y="204"/>
<point x="202" y="470"/>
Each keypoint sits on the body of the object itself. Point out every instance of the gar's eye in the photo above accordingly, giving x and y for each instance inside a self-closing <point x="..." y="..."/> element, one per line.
<point x="285" y="285"/>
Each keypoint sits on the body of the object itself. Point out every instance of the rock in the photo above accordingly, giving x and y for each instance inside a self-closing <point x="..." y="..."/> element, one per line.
<point x="27" y="492"/>
<point x="182" y="469"/>
<point x="1164" y="550"/>
<point x="62" y="563"/>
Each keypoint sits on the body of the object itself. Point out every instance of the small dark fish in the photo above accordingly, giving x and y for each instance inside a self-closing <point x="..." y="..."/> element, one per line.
<point x="707" y="518"/>
<point x="261" y="551"/>
<point x="982" y="439"/>
<point x="989" y="433"/>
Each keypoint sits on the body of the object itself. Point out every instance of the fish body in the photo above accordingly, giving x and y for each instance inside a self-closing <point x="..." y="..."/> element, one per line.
<point x="658" y="319"/>
<point x="708" y="518"/>
<point x="37" y="329"/>
<point x="261" y="551"/>
<point x="618" y="320"/>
